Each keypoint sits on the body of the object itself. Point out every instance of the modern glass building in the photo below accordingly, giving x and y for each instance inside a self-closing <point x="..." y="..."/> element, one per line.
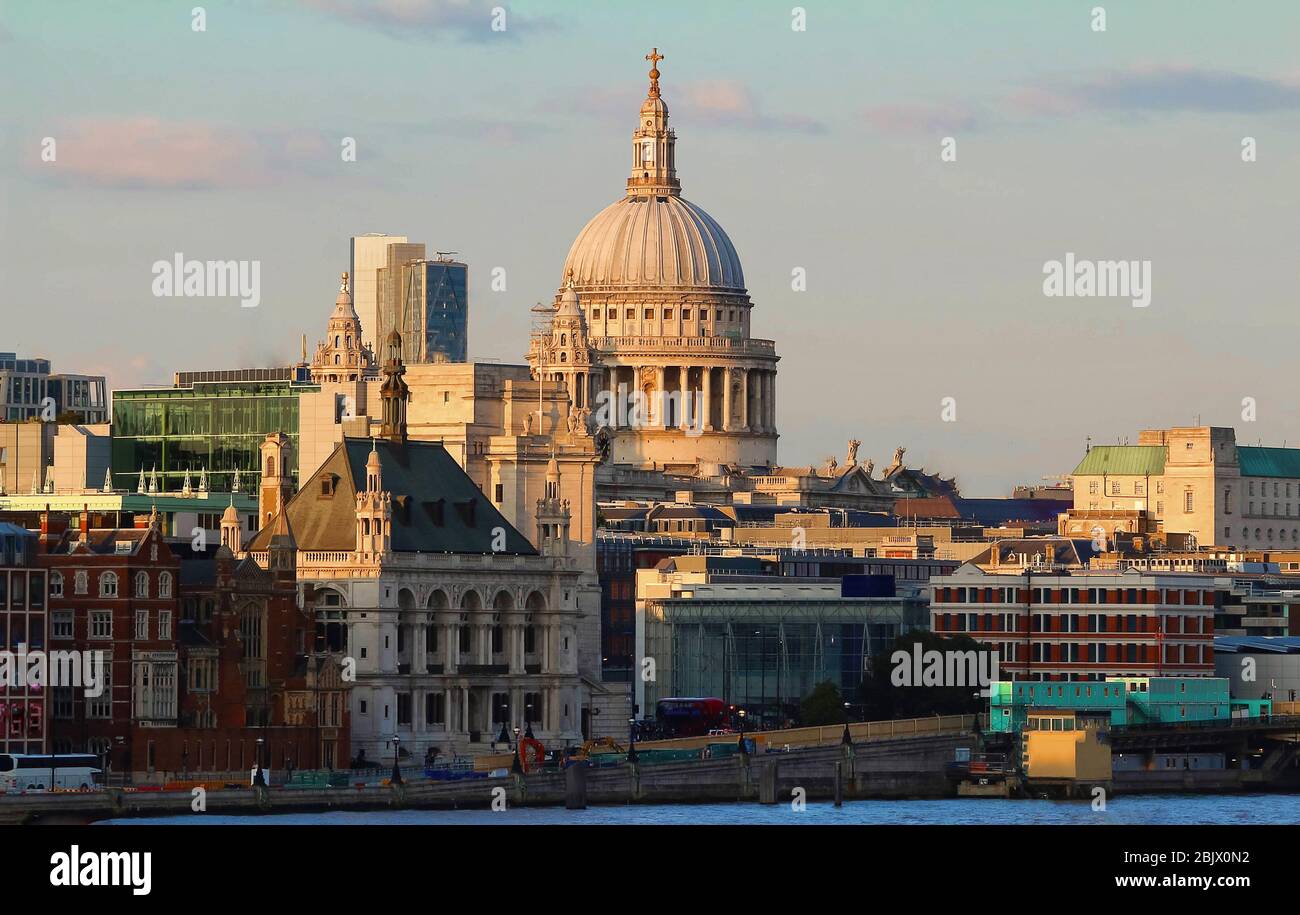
<point x="436" y="311"/>
<point x="215" y="425"/>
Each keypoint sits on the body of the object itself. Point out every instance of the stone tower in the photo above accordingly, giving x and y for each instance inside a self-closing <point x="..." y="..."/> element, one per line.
<point x="277" y="477"/>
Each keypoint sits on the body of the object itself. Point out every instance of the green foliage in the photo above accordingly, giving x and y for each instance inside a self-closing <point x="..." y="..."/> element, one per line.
<point x="882" y="700"/>
<point x="824" y="705"/>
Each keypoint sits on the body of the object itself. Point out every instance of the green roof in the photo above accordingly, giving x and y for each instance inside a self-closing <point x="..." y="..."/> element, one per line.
<point x="1268" y="462"/>
<point x="1132" y="460"/>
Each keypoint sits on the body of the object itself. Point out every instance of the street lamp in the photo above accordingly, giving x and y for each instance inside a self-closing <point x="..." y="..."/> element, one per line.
<point x="516" y="764"/>
<point x="504" y="736"/>
<point x="631" y="740"/>
<point x="847" y="739"/>
<point x="397" y="773"/>
<point x="259" y="776"/>
<point x="528" y="721"/>
<point x="741" y="715"/>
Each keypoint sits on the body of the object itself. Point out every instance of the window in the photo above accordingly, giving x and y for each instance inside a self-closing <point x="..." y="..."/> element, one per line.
<point x="164" y="624"/>
<point x="108" y="584"/>
<point x="101" y="624"/>
<point x="1093" y="487"/>
<point x="686" y="316"/>
<point x="142" y="584"/>
<point x="61" y="624"/>
<point x="435" y="708"/>
<point x="649" y="314"/>
<point x="1187" y="501"/>
<point x="668" y="314"/>
<point x="165" y="584"/>
<point x="631" y="314"/>
<point x="56" y="585"/>
<point x="1114" y="487"/>
<point x="499" y="493"/>
<point x="142" y="624"/>
<point x="101" y="706"/>
<point x="595" y="313"/>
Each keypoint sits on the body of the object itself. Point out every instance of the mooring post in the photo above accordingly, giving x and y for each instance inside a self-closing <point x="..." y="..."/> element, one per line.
<point x="839" y="784"/>
<point x="575" y="787"/>
<point x="767" y="784"/>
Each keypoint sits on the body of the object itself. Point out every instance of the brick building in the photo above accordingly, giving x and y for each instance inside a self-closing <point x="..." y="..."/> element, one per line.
<point x="1082" y="625"/>
<point x="24" y="726"/>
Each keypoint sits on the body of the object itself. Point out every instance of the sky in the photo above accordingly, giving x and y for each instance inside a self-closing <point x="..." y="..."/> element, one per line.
<point x="816" y="149"/>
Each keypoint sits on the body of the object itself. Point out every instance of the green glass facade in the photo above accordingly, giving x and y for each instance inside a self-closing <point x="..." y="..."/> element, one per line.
<point x="214" y="425"/>
<point x="767" y="655"/>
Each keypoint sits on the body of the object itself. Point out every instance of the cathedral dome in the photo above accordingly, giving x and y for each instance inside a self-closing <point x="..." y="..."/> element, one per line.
<point x="654" y="241"/>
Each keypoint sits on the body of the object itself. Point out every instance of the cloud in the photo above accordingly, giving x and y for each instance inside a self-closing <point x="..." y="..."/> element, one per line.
<point x="467" y="20"/>
<point x="1161" y="89"/>
<point x="921" y="119"/>
<point x="147" y="152"/>
<point x="720" y="103"/>
<point x="731" y="103"/>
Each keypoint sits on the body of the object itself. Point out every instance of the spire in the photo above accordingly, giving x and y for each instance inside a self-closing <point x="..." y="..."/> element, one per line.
<point x="108" y="479"/>
<point x="394" y="391"/>
<point x="654" y="57"/>
<point x="654" y="160"/>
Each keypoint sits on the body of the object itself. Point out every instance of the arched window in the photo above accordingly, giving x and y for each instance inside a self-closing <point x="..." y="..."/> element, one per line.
<point x="165" y="584"/>
<point x="108" y="584"/>
<point x="270" y="466"/>
<point x="141" y="584"/>
<point x="56" y="585"/>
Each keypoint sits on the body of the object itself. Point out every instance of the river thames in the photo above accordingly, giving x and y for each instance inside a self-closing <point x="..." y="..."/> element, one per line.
<point x="1153" y="810"/>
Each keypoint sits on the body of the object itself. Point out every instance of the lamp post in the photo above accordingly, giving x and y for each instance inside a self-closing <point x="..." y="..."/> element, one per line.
<point x="528" y="721"/>
<point x="397" y="773"/>
<point x="504" y="736"/>
<point x="847" y="739"/>
<point x="741" y="715"/>
<point x="631" y="740"/>
<point x="516" y="764"/>
<point x="259" y="776"/>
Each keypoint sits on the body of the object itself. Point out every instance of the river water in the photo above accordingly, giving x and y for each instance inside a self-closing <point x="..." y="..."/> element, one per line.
<point x="1138" y="809"/>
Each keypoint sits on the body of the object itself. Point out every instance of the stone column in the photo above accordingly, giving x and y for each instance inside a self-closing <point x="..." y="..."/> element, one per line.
<point x="450" y="644"/>
<point x="706" y="392"/>
<point x="756" y="421"/>
<point x="744" y="399"/>
<point x="683" y="381"/>
<point x="661" y="382"/>
<point x="727" y="405"/>
<point x="770" y="400"/>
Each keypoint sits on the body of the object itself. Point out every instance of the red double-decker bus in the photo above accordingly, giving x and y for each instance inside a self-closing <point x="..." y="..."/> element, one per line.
<point x="691" y="717"/>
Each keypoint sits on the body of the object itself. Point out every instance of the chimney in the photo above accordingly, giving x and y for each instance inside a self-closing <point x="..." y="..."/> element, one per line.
<point x="85" y="522"/>
<point x="996" y="555"/>
<point x="1051" y="554"/>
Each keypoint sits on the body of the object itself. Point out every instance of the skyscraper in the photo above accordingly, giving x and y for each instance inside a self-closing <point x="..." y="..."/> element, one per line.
<point x="435" y="319"/>
<point x="369" y="253"/>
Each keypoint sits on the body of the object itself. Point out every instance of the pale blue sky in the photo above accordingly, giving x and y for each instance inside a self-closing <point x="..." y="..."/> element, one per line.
<point x="817" y="149"/>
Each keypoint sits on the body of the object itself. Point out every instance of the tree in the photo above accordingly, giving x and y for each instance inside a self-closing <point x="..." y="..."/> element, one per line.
<point x="824" y="705"/>
<point x="882" y="700"/>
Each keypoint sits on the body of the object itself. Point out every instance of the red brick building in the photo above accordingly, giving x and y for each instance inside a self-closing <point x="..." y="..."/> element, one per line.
<point x="24" y="624"/>
<point x="1086" y="625"/>
<point x="205" y="655"/>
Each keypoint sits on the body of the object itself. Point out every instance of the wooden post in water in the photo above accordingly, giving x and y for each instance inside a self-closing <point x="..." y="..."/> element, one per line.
<point x="839" y="784"/>
<point x="575" y="787"/>
<point x="767" y="784"/>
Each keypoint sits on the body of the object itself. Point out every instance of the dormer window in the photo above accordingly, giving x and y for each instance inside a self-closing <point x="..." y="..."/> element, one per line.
<point x="648" y="152"/>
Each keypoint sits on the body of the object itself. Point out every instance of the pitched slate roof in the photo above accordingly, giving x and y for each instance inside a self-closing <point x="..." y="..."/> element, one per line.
<point x="1132" y="460"/>
<point x="436" y="506"/>
<point x="1256" y="461"/>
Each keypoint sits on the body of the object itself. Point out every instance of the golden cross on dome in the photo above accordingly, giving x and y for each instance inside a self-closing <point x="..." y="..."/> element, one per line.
<point x="654" y="57"/>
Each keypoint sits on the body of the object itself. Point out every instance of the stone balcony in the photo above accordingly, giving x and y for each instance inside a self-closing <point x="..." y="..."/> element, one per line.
<point x="718" y="346"/>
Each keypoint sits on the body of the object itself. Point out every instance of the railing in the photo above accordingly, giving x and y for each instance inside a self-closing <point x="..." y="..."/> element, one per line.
<point x="686" y="344"/>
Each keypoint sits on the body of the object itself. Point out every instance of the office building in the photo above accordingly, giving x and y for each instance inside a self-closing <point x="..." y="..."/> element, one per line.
<point x="26" y="383"/>
<point x="368" y="253"/>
